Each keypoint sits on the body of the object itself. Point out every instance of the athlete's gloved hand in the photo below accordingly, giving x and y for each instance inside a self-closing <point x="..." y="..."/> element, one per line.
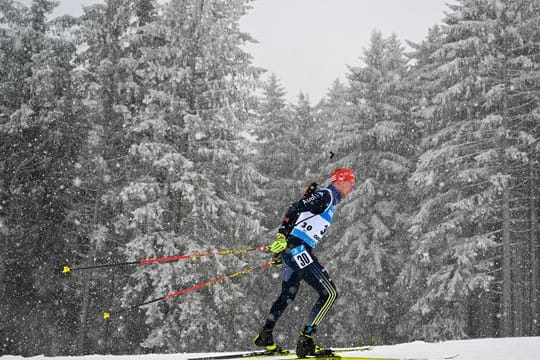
<point x="279" y="244"/>
<point x="276" y="260"/>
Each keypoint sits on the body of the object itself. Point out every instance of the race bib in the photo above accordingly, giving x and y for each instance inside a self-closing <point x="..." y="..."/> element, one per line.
<point x="310" y="228"/>
<point x="301" y="256"/>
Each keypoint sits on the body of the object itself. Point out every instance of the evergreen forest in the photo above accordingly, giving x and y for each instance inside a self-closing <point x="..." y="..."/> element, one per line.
<point x="143" y="129"/>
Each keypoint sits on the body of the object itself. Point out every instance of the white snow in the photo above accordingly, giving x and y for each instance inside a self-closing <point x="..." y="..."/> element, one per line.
<point x="519" y="348"/>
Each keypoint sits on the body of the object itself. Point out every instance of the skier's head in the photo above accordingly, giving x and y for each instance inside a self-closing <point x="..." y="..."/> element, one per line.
<point x="343" y="180"/>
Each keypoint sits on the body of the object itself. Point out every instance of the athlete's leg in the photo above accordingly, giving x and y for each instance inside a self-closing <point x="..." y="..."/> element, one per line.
<point x="289" y="288"/>
<point x="317" y="277"/>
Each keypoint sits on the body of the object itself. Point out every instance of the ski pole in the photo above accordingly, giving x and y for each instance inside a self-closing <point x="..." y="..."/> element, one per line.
<point x="66" y="269"/>
<point x="245" y="271"/>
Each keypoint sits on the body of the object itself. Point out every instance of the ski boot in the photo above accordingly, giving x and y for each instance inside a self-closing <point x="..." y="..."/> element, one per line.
<point x="265" y="338"/>
<point x="305" y="345"/>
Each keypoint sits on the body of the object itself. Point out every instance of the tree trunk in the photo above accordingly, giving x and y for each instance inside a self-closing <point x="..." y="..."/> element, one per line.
<point x="3" y="265"/>
<point x="108" y="341"/>
<point x="506" y="267"/>
<point x="533" y="246"/>
<point x="507" y="323"/>
<point x="83" y="331"/>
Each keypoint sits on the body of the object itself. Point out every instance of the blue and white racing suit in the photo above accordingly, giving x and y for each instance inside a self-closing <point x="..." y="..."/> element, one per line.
<point x="304" y="225"/>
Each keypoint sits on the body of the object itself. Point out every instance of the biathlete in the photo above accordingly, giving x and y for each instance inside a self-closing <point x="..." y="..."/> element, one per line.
<point x="304" y="225"/>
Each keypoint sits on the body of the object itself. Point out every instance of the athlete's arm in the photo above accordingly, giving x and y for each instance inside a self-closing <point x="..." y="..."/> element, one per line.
<point x="315" y="203"/>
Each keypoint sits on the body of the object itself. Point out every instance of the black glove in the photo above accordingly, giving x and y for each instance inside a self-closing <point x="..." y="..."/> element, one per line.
<point x="276" y="260"/>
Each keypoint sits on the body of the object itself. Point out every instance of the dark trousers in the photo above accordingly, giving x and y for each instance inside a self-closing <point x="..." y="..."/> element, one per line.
<point x="317" y="277"/>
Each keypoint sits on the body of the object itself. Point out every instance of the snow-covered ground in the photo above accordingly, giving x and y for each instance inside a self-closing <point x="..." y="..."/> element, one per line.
<point x="522" y="348"/>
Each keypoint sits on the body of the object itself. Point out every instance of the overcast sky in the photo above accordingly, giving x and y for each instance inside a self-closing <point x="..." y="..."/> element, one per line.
<point x="308" y="43"/>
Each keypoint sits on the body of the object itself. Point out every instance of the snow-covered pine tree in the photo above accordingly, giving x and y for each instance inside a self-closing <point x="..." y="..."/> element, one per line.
<point x="374" y="138"/>
<point x="423" y="80"/>
<point x="38" y="147"/>
<point x="104" y="84"/>
<point x="513" y="98"/>
<point x="276" y="134"/>
<point x="527" y="27"/>
<point x="273" y="129"/>
<point x="331" y="114"/>
<point x="334" y="105"/>
<point x="317" y="140"/>
<point x="189" y="192"/>
<point x="440" y="231"/>
<point x="313" y="140"/>
<point x="466" y="175"/>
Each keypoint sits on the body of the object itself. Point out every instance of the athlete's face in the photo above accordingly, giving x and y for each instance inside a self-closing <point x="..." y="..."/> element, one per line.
<point x="344" y="187"/>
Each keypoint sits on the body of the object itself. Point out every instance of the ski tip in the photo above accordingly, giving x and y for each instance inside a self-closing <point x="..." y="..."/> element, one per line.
<point x="106" y="315"/>
<point x="66" y="269"/>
